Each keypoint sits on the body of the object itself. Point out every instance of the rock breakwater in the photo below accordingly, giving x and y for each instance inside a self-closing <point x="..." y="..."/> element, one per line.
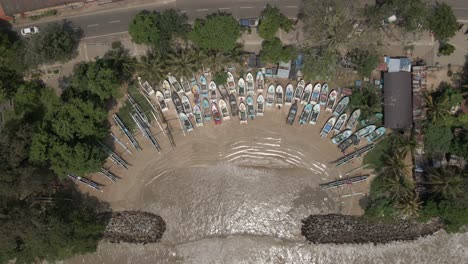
<point x="134" y="227"/>
<point x="340" y="229"/>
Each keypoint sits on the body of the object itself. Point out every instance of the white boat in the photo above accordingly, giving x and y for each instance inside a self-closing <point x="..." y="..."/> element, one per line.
<point x="161" y="101"/>
<point x="187" y="106"/>
<point x="250" y="107"/>
<point x="378" y="133"/>
<point x="231" y="83"/>
<point x="341" y="106"/>
<point x="306" y="94"/>
<point x="260" y="105"/>
<point x="175" y="84"/>
<point x="242" y="113"/>
<point x="331" y="101"/>
<point x="341" y="136"/>
<point x="186" y="85"/>
<point x="315" y="98"/>
<point x="305" y="115"/>
<point x="185" y="122"/>
<point x="260" y="81"/>
<point x="279" y="95"/>
<point x="203" y="86"/>
<point x="249" y="79"/>
<point x="197" y="114"/>
<point x="167" y="91"/>
<point x="224" y="109"/>
<point x="270" y="97"/>
<point x="315" y="114"/>
<point x="353" y="119"/>
<point x="299" y="90"/>
<point x="241" y="88"/>
<point x="213" y="92"/>
<point x="328" y="127"/>
<point x="324" y="94"/>
<point x="145" y="86"/>
<point x="340" y="122"/>
<point x="288" y="96"/>
<point x="365" y="131"/>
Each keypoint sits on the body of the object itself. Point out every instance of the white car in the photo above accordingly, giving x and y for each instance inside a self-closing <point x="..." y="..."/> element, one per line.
<point x="29" y="31"/>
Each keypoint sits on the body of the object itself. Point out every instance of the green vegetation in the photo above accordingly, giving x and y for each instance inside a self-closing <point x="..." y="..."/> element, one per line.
<point x="218" y="32"/>
<point x="445" y="49"/>
<point x="443" y="22"/>
<point x="376" y="156"/>
<point x="51" y="12"/>
<point x="220" y="78"/>
<point x="273" y="51"/>
<point x="437" y="138"/>
<point x="367" y="98"/>
<point x="272" y="20"/>
<point x="363" y="61"/>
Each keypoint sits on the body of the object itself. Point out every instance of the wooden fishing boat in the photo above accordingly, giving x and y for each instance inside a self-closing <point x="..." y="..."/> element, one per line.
<point x="331" y="101"/>
<point x="299" y="91"/>
<point x="213" y="92"/>
<point x="376" y="134"/>
<point x="315" y="114"/>
<point x="205" y="105"/>
<point x="224" y="109"/>
<point x="260" y="105"/>
<point x="175" y="84"/>
<point x="193" y="81"/>
<point x="177" y="103"/>
<point x="249" y="79"/>
<point x="270" y="97"/>
<point x="342" y="136"/>
<point x="241" y="88"/>
<point x="324" y="94"/>
<point x="353" y="139"/>
<point x="279" y="95"/>
<point x="185" y="85"/>
<point x="167" y="91"/>
<point x="315" y="98"/>
<point x="353" y="119"/>
<point x="197" y="114"/>
<point x="250" y="107"/>
<point x="145" y="86"/>
<point x="196" y="94"/>
<point x="161" y="101"/>
<point x="306" y="94"/>
<point x="216" y="114"/>
<point x="341" y="106"/>
<point x="223" y="92"/>
<point x="305" y="115"/>
<point x="363" y="132"/>
<point x="203" y="86"/>
<point x="242" y="113"/>
<point x="340" y="122"/>
<point x="328" y="127"/>
<point x="292" y="114"/>
<point x="260" y="81"/>
<point x="372" y="119"/>
<point x="187" y="106"/>
<point x="233" y="104"/>
<point x="185" y="122"/>
<point x="288" y="96"/>
<point x="342" y="182"/>
<point x="231" y="83"/>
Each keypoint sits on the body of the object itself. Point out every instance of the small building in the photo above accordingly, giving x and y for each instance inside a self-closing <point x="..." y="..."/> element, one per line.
<point x="398" y="108"/>
<point x="283" y="69"/>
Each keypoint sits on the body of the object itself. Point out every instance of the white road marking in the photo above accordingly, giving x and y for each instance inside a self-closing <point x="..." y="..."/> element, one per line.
<point x="93" y="25"/>
<point x="106" y="35"/>
<point x="224" y="8"/>
<point x="115" y="21"/>
<point x="245" y="7"/>
<point x="201" y="10"/>
<point x="291" y="6"/>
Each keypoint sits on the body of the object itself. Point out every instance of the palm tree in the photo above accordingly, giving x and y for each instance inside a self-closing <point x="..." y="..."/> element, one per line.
<point x="183" y="62"/>
<point x="435" y="110"/>
<point x="397" y="188"/>
<point x="409" y="205"/>
<point x="394" y="164"/>
<point x="152" y="68"/>
<point x="404" y="143"/>
<point x="123" y="61"/>
<point x="445" y="182"/>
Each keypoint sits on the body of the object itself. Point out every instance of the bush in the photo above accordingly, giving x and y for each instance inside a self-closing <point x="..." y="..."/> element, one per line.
<point x="272" y="20"/>
<point x="443" y="22"/>
<point x="273" y="51"/>
<point x="216" y="33"/>
<point x="445" y="49"/>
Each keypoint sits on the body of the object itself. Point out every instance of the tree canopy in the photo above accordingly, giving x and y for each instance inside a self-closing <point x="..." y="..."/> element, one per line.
<point x="271" y="20"/>
<point x="443" y="22"/>
<point x="143" y="28"/>
<point x="217" y="32"/>
<point x="437" y="138"/>
<point x="273" y="51"/>
<point x="364" y="61"/>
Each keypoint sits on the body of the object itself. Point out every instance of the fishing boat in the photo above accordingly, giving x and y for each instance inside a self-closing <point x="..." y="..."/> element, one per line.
<point x="231" y="83"/>
<point x="342" y="182"/>
<point x="288" y="96"/>
<point x="161" y="101"/>
<point x="353" y="139"/>
<point x="341" y="106"/>
<point x="279" y="95"/>
<point x="315" y="98"/>
<point x="187" y="106"/>
<point x="270" y="97"/>
<point x="365" y="131"/>
<point x="342" y="136"/>
<point x="241" y="88"/>
<point x="213" y="92"/>
<point x="372" y="119"/>
<point x="292" y="114"/>
<point x="249" y="79"/>
<point x="260" y="81"/>
<point x="376" y="134"/>
<point x="203" y="86"/>
<point x="145" y="86"/>
<point x="175" y="84"/>
<point x="193" y="81"/>
<point x="185" y="122"/>
<point x="340" y="122"/>
<point x="205" y="105"/>
<point x="223" y="92"/>
<point x="250" y="107"/>
<point x="167" y="91"/>
<point x="353" y="119"/>
<point x="86" y="181"/>
<point x="324" y="94"/>
<point x="185" y="85"/>
<point x="306" y="94"/>
<point x="331" y="101"/>
<point x="197" y="114"/>
<point x="233" y="104"/>
<point x="315" y="114"/>
<point x="299" y="90"/>
<point x="196" y="94"/>
<point x="328" y="127"/>
<point x="260" y="104"/>
<point x="242" y="113"/>
<point x="218" y="119"/>
<point x="224" y="109"/>
<point x="305" y="115"/>
<point x="177" y="103"/>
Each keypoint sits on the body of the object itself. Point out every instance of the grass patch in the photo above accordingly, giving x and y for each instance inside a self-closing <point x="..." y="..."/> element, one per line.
<point x="374" y="157"/>
<point x="47" y="13"/>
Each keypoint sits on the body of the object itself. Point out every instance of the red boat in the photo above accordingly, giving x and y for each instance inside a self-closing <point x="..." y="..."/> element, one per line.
<point x="218" y="119"/>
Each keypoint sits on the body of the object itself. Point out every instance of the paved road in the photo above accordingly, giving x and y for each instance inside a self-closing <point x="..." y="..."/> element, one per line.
<point x="460" y="9"/>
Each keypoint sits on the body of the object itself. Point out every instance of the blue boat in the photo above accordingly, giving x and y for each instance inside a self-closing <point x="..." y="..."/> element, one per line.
<point x="203" y="86"/>
<point x="305" y="115"/>
<point x="250" y="107"/>
<point x="206" y="109"/>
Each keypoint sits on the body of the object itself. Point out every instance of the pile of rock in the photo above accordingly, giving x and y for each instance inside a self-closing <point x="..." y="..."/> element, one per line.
<point x="339" y="229"/>
<point x="134" y="227"/>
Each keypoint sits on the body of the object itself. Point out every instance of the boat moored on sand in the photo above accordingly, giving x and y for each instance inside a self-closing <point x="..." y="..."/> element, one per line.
<point x="213" y="92"/>
<point x="299" y="90"/>
<point x="175" y="84"/>
<point x="331" y="101"/>
<point x="315" y="98"/>
<point x="185" y="85"/>
<point x="145" y="86"/>
<point x="196" y="94"/>
<point x="203" y="86"/>
<point x="315" y="114"/>
<point x="250" y="83"/>
<point x="216" y="114"/>
<point x="341" y="106"/>
<point x="205" y="105"/>
<point x="224" y="109"/>
<point x="161" y="101"/>
<point x="305" y="115"/>
<point x="340" y="122"/>
<point x="177" y="103"/>
<point x="270" y="97"/>
<point x="376" y="134"/>
<point x="365" y="131"/>
<point x="342" y="136"/>
<point x="260" y="81"/>
<point x="372" y="119"/>
<point x="328" y="127"/>
<point x="289" y="94"/>
<point x="167" y="91"/>
<point x="353" y="119"/>
<point x="324" y="94"/>
<point x="242" y="113"/>
<point x="187" y="106"/>
<point x="353" y="139"/>
<point x="231" y="83"/>
<point x="197" y="114"/>
<point x="260" y="105"/>
<point x="233" y="104"/>
<point x="185" y="122"/>
<point x="241" y="88"/>
<point x="250" y="107"/>
<point x="306" y="94"/>
<point x="279" y="95"/>
<point x="292" y="114"/>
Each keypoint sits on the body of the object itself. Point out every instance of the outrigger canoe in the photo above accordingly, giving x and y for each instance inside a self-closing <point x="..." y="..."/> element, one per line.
<point x="328" y="127"/>
<point x="260" y="81"/>
<point x="177" y="103"/>
<point x="175" y="84"/>
<point x="299" y="90"/>
<point x="161" y="101"/>
<point x="340" y="122"/>
<point x="305" y="115"/>
<point x="213" y="92"/>
<point x="249" y="79"/>
<point x="218" y="119"/>
<point x="196" y="94"/>
<point x="306" y="94"/>
<point x="353" y="119"/>
<point x="242" y="113"/>
<point x="270" y="97"/>
<point x="185" y="84"/>
<point x="288" y="97"/>
<point x="341" y="106"/>
<point x="224" y="109"/>
<point x="371" y="120"/>
<point x="205" y="105"/>
<point x="331" y="101"/>
<point x="342" y="136"/>
<point x="145" y="86"/>
<point x="185" y="122"/>
<point x="363" y="132"/>
<point x="260" y="105"/>
<point x="167" y="91"/>
<point x="292" y="114"/>
<point x="324" y="94"/>
<point x="197" y="114"/>
<point x="203" y="86"/>
<point x="250" y="107"/>
<point x="187" y="106"/>
<point x="315" y="98"/>
<point x="378" y="133"/>
<point x="315" y="114"/>
<point x="231" y="83"/>
<point x="279" y="95"/>
<point x="233" y="104"/>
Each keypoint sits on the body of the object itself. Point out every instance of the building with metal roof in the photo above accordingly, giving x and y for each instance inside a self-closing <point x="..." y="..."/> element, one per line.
<point x="398" y="103"/>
